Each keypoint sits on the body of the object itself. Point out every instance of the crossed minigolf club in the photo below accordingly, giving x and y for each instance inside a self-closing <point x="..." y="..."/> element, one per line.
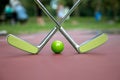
<point x="86" y="46"/>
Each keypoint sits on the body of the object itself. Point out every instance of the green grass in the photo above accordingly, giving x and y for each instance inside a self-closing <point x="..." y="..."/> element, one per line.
<point x="74" y="23"/>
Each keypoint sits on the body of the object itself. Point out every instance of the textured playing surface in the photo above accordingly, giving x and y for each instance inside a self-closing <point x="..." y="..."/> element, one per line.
<point x="99" y="64"/>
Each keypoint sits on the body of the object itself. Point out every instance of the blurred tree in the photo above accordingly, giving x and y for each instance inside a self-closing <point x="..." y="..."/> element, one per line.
<point x="30" y="5"/>
<point x="2" y="5"/>
<point x="112" y="8"/>
<point x="76" y="12"/>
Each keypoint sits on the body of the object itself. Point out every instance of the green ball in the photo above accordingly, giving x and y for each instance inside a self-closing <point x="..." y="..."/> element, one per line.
<point x="57" y="46"/>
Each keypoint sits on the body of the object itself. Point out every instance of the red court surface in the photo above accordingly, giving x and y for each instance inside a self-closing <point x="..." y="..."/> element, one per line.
<point x="102" y="63"/>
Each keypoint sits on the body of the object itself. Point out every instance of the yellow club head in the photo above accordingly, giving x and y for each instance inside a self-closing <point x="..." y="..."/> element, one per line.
<point x="93" y="43"/>
<point x="21" y="44"/>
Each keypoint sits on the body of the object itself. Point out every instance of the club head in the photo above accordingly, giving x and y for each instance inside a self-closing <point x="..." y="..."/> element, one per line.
<point x="21" y="44"/>
<point x="93" y="43"/>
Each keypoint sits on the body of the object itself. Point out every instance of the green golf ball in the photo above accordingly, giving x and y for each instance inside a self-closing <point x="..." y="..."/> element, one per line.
<point x="57" y="46"/>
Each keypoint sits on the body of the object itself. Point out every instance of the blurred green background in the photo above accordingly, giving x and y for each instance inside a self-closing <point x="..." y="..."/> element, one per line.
<point x="82" y="18"/>
<point x="109" y="8"/>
